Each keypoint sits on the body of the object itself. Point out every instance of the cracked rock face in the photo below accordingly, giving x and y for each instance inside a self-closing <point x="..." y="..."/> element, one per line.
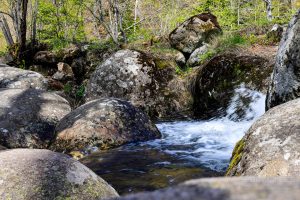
<point x="138" y="78"/>
<point x="41" y="174"/>
<point x="285" y="85"/>
<point x="192" y="33"/>
<point x="271" y="146"/>
<point x="11" y="77"/>
<point x="28" y="117"/>
<point x="103" y="124"/>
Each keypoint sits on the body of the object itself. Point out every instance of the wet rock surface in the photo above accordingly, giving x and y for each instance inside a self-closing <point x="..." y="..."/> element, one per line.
<point x="285" y="85"/>
<point x="28" y="117"/>
<point x="192" y="33"/>
<point x="41" y="174"/>
<point x="11" y="77"/>
<point x="246" y="188"/>
<point x="103" y="124"/>
<point x="271" y="146"/>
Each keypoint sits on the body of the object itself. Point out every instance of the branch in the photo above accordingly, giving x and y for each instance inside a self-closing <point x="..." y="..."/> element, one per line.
<point x="7" y="14"/>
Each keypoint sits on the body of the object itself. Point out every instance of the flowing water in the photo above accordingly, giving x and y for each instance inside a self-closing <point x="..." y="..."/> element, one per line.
<point x="188" y="149"/>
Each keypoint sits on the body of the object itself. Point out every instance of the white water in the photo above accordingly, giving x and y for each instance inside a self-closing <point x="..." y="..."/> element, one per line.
<point x="210" y="143"/>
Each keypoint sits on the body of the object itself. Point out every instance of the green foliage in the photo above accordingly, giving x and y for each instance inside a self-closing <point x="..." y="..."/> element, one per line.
<point x="60" y="23"/>
<point x="224" y="43"/>
<point x="207" y="56"/>
<point x="68" y="88"/>
<point x="80" y="91"/>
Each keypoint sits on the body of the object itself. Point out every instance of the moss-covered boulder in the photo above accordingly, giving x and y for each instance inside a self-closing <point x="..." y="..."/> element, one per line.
<point x="214" y="84"/>
<point x="103" y="124"/>
<point x="147" y="82"/>
<point x="271" y="146"/>
<point x="41" y="174"/>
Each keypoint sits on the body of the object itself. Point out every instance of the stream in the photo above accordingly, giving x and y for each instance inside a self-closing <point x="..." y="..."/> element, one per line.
<point x="188" y="149"/>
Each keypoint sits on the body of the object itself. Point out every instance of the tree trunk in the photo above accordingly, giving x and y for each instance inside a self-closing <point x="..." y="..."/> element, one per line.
<point x="23" y="29"/>
<point x="34" y="17"/>
<point x="135" y="14"/>
<point x="6" y="31"/>
<point x="269" y="9"/>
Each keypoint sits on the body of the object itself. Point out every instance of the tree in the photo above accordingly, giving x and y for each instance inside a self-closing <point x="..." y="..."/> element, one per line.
<point x="113" y="23"/>
<point x="18" y="14"/>
<point x="269" y="9"/>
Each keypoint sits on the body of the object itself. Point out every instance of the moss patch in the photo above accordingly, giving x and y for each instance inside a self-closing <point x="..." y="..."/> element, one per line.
<point x="236" y="155"/>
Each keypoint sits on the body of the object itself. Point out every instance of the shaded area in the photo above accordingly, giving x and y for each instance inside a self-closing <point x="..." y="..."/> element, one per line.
<point x="28" y="117"/>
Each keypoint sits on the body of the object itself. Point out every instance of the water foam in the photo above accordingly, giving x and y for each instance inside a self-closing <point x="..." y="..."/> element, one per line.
<point x="210" y="143"/>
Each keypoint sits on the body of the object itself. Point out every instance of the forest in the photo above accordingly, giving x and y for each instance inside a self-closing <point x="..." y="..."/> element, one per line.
<point x="59" y="23"/>
<point x="149" y="99"/>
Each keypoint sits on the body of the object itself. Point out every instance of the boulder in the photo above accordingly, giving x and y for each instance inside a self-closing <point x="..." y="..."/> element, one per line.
<point x="103" y="124"/>
<point x="180" y="60"/>
<point x="11" y="77"/>
<point x="271" y="146"/>
<point x="214" y="84"/>
<point x="192" y="33"/>
<point x="41" y="174"/>
<point x="195" y="58"/>
<point x="243" y="188"/>
<point x="285" y="85"/>
<point x="2" y="148"/>
<point x="70" y="53"/>
<point x="141" y="79"/>
<point x="46" y="58"/>
<point x="28" y="117"/>
<point x="79" y="68"/>
<point x="64" y="72"/>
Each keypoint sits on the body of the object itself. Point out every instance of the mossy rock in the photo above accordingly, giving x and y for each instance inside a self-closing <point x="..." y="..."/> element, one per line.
<point x="213" y="84"/>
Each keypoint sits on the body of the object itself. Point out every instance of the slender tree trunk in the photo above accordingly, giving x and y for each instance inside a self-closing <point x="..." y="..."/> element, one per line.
<point x="23" y="29"/>
<point x="269" y="9"/>
<point x="34" y="17"/>
<point x="135" y="14"/>
<point x="6" y="31"/>
<point x="238" y="12"/>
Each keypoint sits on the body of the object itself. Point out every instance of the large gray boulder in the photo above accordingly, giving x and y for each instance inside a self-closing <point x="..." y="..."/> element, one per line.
<point x="141" y="79"/>
<point x="28" y="117"/>
<point x="285" y="85"/>
<point x="30" y="174"/>
<point x="192" y="33"/>
<point x="271" y="146"/>
<point x="11" y="77"/>
<point x="241" y="188"/>
<point x="103" y="124"/>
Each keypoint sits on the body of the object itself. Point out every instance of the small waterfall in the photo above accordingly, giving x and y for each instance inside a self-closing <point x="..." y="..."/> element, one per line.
<point x="211" y="142"/>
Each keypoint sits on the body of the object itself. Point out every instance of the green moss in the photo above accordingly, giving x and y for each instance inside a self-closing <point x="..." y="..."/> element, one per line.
<point x="162" y="64"/>
<point x="236" y="155"/>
